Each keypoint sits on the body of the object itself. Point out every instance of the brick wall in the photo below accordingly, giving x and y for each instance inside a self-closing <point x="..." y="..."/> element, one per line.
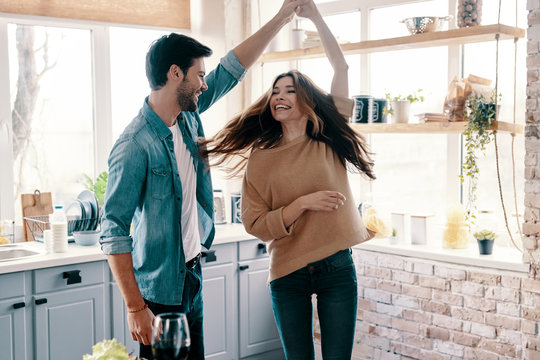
<point x="416" y="309"/>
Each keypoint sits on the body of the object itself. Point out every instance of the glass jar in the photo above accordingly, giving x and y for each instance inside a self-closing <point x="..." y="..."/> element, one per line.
<point x="469" y="13"/>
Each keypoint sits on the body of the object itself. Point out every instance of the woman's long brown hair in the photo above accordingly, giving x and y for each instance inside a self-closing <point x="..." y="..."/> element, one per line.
<point x="256" y="128"/>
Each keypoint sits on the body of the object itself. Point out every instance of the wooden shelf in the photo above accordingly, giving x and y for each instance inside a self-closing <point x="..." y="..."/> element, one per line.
<point x="438" y="38"/>
<point x="432" y="128"/>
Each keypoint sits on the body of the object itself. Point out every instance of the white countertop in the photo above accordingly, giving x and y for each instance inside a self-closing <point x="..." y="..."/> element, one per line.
<point x="502" y="258"/>
<point x="79" y="254"/>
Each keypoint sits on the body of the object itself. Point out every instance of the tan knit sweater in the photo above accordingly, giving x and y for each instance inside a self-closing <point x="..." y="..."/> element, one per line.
<point x="276" y="177"/>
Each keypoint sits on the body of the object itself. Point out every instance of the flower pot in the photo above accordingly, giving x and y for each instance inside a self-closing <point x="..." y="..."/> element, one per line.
<point x="401" y="110"/>
<point x="485" y="246"/>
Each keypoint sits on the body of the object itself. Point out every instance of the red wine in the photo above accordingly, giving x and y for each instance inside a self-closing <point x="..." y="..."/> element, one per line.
<point x="163" y="351"/>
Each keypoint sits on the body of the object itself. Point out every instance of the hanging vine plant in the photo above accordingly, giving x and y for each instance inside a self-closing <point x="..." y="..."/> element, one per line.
<point x="480" y="115"/>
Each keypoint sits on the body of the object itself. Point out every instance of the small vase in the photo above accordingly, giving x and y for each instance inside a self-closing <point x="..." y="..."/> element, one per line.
<point x="485" y="246"/>
<point x="401" y="110"/>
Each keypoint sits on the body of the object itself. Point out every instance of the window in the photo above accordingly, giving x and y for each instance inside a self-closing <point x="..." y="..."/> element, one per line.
<point x="52" y="109"/>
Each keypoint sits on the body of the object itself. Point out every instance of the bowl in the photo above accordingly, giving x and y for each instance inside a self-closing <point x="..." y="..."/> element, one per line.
<point x="422" y="24"/>
<point x="86" y="237"/>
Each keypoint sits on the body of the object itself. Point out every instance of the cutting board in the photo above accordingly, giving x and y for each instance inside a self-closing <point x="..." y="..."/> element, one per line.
<point x="36" y="204"/>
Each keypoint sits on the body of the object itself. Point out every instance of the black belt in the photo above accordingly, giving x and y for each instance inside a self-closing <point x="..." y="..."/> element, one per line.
<point x="193" y="262"/>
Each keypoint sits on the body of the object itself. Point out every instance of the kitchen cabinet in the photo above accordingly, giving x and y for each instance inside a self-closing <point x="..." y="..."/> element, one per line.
<point x="55" y="313"/>
<point x="13" y="317"/>
<point x="238" y="318"/>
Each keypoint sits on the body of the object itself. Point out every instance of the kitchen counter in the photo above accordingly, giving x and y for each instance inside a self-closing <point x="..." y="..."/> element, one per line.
<point x="79" y="254"/>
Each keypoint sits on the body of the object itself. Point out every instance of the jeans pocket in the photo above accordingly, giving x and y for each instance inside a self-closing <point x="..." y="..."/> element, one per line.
<point x="342" y="260"/>
<point x="161" y="184"/>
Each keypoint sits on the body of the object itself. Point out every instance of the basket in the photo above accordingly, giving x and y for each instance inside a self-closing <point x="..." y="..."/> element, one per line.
<point x="37" y="224"/>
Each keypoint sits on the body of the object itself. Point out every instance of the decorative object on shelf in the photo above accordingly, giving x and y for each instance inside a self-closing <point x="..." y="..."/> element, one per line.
<point x="459" y="91"/>
<point x="400" y="105"/>
<point x="219" y="207"/>
<point x="456" y="234"/>
<point x="379" y="110"/>
<point x="375" y="223"/>
<point x="236" y="208"/>
<point x="485" y="239"/>
<point x="393" y="238"/>
<point x="480" y="115"/>
<point x="297" y="38"/>
<point x="421" y="228"/>
<point x="98" y="186"/>
<point x="469" y="13"/>
<point x="363" y="109"/>
<point x="399" y="224"/>
<point x="430" y="117"/>
<point x="422" y="24"/>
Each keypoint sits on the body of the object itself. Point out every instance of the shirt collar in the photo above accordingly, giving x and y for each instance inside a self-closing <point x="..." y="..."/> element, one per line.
<point x="155" y="121"/>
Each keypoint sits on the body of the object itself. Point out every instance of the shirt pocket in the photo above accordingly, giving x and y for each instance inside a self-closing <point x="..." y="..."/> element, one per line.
<point x="161" y="184"/>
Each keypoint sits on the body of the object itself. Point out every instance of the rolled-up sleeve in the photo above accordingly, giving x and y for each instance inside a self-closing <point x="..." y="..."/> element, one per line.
<point x="124" y="185"/>
<point x="231" y="63"/>
<point x="258" y="218"/>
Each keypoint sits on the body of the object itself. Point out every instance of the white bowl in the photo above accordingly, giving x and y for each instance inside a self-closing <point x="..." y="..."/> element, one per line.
<point x="86" y="238"/>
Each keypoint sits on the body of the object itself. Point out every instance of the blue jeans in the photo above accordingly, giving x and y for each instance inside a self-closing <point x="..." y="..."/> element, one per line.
<point x="333" y="279"/>
<point x="192" y="306"/>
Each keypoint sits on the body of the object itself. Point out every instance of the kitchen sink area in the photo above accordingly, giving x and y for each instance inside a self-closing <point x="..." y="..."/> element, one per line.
<point x="17" y="252"/>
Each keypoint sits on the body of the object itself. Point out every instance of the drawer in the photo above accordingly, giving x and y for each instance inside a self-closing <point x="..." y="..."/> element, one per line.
<point x="11" y="285"/>
<point x="69" y="276"/>
<point x="219" y="254"/>
<point x="251" y="249"/>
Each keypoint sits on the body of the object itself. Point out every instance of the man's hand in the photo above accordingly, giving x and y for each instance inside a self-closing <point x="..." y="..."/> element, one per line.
<point x="289" y="7"/>
<point x="140" y="326"/>
<point x="308" y="10"/>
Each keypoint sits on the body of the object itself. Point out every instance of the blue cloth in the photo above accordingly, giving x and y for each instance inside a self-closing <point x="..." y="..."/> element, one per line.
<point x="333" y="279"/>
<point x="144" y="188"/>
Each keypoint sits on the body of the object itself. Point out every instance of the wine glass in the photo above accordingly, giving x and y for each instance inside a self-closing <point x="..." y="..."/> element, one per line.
<point x="170" y="337"/>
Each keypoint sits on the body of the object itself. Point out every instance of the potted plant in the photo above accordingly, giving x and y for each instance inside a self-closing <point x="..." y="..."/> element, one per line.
<point x="98" y="187"/>
<point x="393" y="238"/>
<point x="480" y="115"/>
<point x="399" y="106"/>
<point x="485" y="239"/>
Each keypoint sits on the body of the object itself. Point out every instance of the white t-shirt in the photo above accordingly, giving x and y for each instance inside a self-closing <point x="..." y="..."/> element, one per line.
<point x="191" y="238"/>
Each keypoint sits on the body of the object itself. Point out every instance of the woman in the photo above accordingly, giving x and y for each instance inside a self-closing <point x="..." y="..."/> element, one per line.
<point x="296" y="197"/>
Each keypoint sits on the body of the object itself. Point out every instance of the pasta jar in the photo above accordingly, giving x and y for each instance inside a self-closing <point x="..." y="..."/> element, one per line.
<point x="469" y="13"/>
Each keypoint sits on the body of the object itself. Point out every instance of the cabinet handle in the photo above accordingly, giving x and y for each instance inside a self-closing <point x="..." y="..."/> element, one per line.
<point x="262" y="247"/>
<point x="41" y="301"/>
<point x="243" y="267"/>
<point x="209" y="255"/>
<point x="73" y="277"/>
<point x="19" y="305"/>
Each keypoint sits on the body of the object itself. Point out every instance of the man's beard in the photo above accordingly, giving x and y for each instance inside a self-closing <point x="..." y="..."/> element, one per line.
<point x="185" y="97"/>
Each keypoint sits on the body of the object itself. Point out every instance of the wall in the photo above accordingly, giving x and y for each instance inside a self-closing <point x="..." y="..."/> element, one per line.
<point x="418" y="309"/>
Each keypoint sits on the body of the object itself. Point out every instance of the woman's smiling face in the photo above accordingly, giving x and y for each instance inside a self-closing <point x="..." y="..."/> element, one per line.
<point x="283" y="102"/>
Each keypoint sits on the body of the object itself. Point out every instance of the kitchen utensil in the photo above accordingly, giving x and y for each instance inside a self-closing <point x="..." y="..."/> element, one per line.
<point x="379" y="115"/>
<point x="422" y="24"/>
<point x="363" y="109"/>
<point x="236" y="208"/>
<point x="219" y="207"/>
<point x="86" y="238"/>
<point x="89" y="200"/>
<point x="36" y="204"/>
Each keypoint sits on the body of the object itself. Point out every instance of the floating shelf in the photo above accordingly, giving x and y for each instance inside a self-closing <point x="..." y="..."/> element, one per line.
<point x="431" y="127"/>
<point x="437" y="38"/>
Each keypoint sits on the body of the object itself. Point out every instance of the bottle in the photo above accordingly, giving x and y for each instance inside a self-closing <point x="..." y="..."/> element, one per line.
<point x="59" y="228"/>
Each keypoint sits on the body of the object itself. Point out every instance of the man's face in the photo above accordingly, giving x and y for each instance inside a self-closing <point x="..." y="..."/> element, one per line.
<point x="191" y="86"/>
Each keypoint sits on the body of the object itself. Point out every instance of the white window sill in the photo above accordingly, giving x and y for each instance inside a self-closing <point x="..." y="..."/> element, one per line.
<point x="503" y="258"/>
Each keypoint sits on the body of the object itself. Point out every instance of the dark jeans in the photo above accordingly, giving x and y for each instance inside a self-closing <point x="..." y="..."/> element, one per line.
<point x="334" y="281"/>
<point x="192" y="306"/>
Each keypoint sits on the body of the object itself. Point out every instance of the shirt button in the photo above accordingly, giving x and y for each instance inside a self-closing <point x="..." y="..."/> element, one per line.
<point x="164" y="173"/>
<point x="204" y="205"/>
<point x="178" y="198"/>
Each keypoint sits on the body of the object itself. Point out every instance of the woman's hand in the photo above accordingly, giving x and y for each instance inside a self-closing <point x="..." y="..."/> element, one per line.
<point x="289" y="7"/>
<point x="309" y="10"/>
<point x="322" y="201"/>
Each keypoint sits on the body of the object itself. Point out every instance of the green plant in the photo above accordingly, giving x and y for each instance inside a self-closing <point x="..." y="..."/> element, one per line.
<point x="412" y="98"/>
<point x="485" y="235"/>
<point x="98" y="187"/>
<point x="480" y="115"/>
<point x="394" y="232"/>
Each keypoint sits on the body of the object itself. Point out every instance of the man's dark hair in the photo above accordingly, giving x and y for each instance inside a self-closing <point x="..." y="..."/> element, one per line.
<point x="172" y="49"/>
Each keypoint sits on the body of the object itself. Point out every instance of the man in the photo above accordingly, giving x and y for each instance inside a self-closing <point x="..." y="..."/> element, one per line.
<point x="158" y="182"/>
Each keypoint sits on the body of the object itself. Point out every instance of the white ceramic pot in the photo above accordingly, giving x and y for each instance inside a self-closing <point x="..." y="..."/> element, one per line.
<point x="401" y="111"/>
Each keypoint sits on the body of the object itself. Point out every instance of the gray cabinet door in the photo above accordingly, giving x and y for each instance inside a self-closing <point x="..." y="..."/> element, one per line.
<point x="219" y="312"/>
<point x="13" y="329"/>
<point x="257" y="328"/>
<point x="119" y="323"/>
<point x="67" y="323"/>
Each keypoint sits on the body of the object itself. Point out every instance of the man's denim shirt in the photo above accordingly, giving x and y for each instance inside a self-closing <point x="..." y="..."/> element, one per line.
<point x="144" y="188"/>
